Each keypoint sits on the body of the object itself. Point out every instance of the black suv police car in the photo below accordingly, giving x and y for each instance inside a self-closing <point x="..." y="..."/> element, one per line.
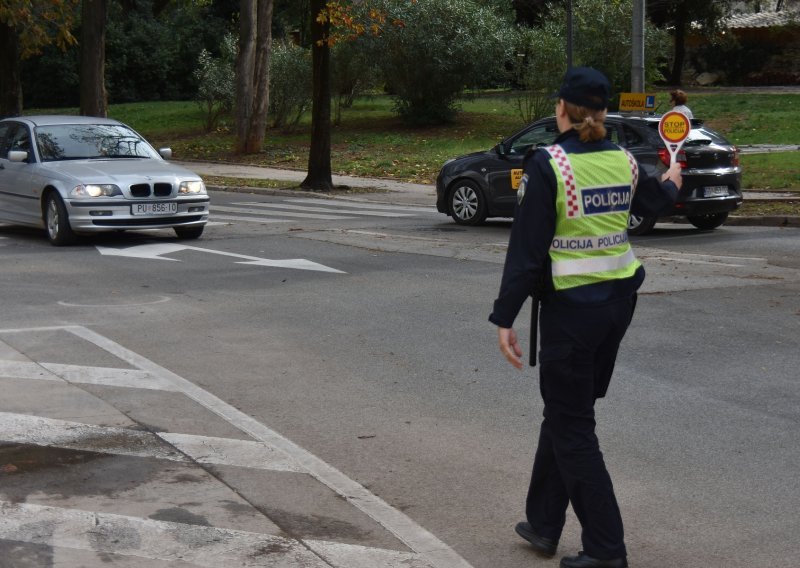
<point x="483" y="184"/>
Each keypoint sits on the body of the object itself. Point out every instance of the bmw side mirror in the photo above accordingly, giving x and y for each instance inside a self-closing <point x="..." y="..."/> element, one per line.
<point x="165" y="153"/>
<point x="500" y="149"/>
<point x="18" y="156"/>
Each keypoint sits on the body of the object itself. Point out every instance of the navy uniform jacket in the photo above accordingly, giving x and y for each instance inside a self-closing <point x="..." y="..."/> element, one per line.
<point x="527" y="266"/>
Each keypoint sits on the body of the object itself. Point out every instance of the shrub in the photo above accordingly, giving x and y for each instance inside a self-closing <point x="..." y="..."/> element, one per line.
<point x="354" y="71"/>
<point x="290" y="87"/>
<point x="216" y="82"/>
<point x="537" y="67"/>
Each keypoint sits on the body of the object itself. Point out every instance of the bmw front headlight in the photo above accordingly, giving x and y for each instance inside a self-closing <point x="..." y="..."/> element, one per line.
<point x="192" y="187"/>
<point x="95" y="190"/>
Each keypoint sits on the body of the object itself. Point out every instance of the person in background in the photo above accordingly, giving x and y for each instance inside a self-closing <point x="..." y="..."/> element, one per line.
<point x="569" y="249"/>
<point x="678" y="99"/>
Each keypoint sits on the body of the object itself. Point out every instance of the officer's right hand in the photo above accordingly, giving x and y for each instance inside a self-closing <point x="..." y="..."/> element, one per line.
<point x="673" y="174"/>
<point x="509" y="346"/>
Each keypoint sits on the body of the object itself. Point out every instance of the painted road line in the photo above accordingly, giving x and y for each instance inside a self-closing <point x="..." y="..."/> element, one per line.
<point x="354" y="205"/>
<point x="262" y="220"/>
<point x="251" y="211"/>
<point x="196" y="544"/>
<point x="155" y="251"/>
<point x="147" y="538"/>
<point x="227" y="451"/>
<point x="324" y="209"/>
<point x="132" y="378"/>
<point x="25" y="370"/>
<point x="51" y="432"/>
<point x="419" y="540"/>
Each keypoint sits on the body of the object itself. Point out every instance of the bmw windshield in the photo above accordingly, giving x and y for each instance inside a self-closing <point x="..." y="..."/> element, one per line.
<point x="90" y="141"/>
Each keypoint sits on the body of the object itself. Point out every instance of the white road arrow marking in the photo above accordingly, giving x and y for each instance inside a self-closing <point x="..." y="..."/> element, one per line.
<point x="156" y="251"/>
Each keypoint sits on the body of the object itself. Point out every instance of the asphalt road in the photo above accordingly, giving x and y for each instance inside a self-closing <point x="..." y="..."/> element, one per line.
<point x="345" y="344"/>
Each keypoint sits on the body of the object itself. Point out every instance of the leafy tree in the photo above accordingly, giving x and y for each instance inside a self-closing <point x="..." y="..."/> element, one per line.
<point x="442" y="48"/>
<point x="25" y="28"/>
<point x="533" y="13"/>
<point x="602" y="39"/>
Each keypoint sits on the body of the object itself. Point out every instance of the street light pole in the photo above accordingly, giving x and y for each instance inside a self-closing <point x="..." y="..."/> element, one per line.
<point x="637" y="47"/>
<point x="569" y="34"/>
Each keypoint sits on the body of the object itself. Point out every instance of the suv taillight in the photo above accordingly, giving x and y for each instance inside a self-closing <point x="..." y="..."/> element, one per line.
<point x="663" y="154"/>
<point x="735" y="159"/>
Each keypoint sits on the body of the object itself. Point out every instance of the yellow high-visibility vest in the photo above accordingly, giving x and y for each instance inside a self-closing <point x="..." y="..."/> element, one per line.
<point x="593" y="201"/>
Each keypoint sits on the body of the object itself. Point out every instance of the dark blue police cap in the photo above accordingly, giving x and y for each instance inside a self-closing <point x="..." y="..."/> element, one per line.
<point x="586" y="87"/>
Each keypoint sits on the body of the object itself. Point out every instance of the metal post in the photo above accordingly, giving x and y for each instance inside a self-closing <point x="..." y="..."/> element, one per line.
<point x="569" y="34"/>
<point x="637" y="47"/>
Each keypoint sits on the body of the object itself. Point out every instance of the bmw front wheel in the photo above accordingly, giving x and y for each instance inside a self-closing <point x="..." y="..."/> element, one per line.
<point x="189" y="232"/>
<point x="56" y="221"/>
<point x="467" y="203"/>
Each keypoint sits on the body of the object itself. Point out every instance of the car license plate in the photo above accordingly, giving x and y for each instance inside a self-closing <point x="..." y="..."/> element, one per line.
<point x="154" y="208"/>
<point x="715" y="191"/>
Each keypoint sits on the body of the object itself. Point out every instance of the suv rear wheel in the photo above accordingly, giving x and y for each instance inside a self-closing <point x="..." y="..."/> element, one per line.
<point x="708" y="222"/>
<point x="638" y="225"/>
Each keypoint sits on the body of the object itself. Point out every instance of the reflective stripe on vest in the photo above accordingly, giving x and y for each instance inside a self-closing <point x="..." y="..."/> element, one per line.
<point x="596" y="264"/>
<point x="592" y="208"/>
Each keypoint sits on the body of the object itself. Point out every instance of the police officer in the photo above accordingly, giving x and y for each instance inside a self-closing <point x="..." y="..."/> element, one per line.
<point x="569" y="249"/>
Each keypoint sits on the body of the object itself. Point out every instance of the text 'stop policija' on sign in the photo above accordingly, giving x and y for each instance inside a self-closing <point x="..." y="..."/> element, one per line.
<point x="674" y="128"/>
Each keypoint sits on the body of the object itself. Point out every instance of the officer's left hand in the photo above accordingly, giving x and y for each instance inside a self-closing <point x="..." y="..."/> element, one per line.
<point x="509" y="346"/>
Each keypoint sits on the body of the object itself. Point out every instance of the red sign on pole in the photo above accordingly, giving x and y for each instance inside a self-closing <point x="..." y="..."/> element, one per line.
<point x="674" y="128"/>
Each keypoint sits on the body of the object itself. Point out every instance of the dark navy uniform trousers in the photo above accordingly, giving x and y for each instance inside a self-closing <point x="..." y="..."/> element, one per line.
<point x="579" y="347"/>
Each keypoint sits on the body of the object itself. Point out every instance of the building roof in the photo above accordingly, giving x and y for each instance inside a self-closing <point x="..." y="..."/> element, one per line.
<point x="767" y="19"/>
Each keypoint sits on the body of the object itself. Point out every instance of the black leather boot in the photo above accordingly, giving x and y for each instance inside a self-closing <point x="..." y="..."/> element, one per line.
<point x="583" y="560"/>
<point x="543" y="546"/>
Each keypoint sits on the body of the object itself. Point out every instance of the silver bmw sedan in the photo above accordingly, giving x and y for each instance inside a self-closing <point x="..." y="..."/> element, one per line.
<point x="73" y="175"/>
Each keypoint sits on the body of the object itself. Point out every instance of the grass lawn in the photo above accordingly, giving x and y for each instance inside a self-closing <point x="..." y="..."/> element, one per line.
<point x="773" y="171"/>
<point x="371" y="141"/>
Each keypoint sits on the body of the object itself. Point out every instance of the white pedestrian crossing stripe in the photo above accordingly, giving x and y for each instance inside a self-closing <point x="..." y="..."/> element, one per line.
<point x="281" y="206"/>
<point x="257" y="211"/>
<point x="355" y="205"/>
<point x="309" y="209"/>
<point x="199" y="545"/>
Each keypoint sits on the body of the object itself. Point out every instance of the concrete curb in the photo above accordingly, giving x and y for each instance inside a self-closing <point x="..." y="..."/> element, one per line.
<point x="767" y="221"/>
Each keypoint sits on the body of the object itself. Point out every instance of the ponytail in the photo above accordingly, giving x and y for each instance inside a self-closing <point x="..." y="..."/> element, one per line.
<point x="588" y="122"/>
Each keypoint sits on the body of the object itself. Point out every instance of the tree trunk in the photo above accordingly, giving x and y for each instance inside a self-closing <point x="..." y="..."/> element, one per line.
<point x="10" y="78"/>
<point x="252" y="75"/>
<point x="245" y="65"/>
<point x="258" y="120"/>
<point x="319" y="158"/>
<point x="93" y="97"/>
<point x="680" y="45"/>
